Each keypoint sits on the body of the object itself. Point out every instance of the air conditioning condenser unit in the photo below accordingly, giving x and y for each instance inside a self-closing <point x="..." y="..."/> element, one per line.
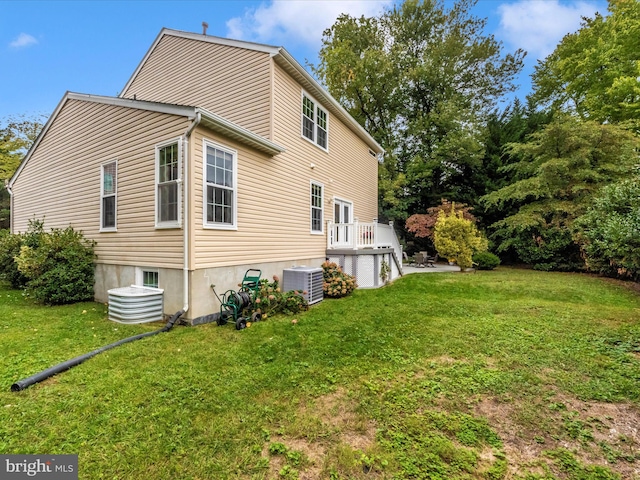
<point x="304" y="279"/>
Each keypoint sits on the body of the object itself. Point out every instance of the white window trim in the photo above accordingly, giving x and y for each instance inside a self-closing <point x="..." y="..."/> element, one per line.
<point x="342" y="200"/>
<point x="317" y="107"/>
<point x="311" y="207"/>
<point x="140" y="274"/>
<point x="115" y="226"/>
<point x="176" y="223"/>
<point x="211" y="225"/>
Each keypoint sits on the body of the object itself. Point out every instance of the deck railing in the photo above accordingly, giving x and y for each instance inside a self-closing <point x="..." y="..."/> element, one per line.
<point x="358" y="235"/>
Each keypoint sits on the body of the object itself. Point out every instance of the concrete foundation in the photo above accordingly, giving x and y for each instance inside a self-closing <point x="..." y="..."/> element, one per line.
<point x="202" y="300"/>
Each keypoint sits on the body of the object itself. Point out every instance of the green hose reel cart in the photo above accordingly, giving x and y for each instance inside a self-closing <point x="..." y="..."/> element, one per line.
<point x="233" y="302"/>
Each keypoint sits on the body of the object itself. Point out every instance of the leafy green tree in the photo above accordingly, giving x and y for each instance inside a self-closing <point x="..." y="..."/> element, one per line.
<point x="16" y="137"/>
<point x="562" y="166"/>
<point x="421" y="79"/>
<point x="513" y="125"/>
<point x="596" y="71"/>
<point x="610" y="230"/>
<point x="457" y="238"/>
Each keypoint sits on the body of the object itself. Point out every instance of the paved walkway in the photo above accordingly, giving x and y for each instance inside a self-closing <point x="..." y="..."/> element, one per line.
<point x="439" y="267"/>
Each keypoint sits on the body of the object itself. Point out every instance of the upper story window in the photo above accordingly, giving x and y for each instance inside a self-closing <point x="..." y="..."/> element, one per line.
<point x="220" y="195"/>
<point x="108" y="192"/>
<point x="315" y="122"/>
<point x="168" y="184"/>
<point x="316" y="208"/>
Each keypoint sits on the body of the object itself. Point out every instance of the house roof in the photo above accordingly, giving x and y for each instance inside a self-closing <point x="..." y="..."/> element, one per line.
<point x="285" y="60"/>
<point x="208" y="119"/>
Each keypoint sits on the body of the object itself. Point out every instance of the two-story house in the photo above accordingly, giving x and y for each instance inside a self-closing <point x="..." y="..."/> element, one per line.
<point x="219" y="155"/>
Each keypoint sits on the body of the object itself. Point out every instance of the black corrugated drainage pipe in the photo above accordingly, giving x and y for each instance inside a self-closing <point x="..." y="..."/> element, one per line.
<point x="61" y="367"/>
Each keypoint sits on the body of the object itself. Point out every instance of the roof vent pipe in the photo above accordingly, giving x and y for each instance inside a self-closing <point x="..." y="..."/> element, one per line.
<point x="205" y="25"/>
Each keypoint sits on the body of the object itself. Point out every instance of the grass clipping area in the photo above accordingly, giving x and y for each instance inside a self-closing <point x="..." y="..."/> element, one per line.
<point x="505" y="374"/>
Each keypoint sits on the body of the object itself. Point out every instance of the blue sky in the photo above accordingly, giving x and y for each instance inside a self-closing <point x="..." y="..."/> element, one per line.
<point x="49" y="47"/>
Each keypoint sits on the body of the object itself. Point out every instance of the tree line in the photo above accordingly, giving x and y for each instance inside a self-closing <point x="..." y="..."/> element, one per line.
<point x="552" y="180"/>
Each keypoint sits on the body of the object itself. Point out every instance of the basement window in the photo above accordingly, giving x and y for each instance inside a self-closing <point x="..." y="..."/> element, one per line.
<point x="147" y="277"/>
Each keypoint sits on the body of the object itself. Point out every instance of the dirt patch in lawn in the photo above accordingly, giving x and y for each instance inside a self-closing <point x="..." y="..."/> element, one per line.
<point x="597" y="433"/>
<point x="338" y="429"/>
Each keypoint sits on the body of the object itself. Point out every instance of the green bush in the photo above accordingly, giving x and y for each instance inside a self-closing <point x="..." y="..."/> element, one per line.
<point x="336" y="283"/>
<point x="9" y="249"/>
<point x="457" y="238"/>
<point x="58" y="265"/>
<point x="10" y="245"/>
<point x="545" y="248"/>
<point x="608" y="232"/>
<point x="486" y="260"/>
<point x="270" y="299"/>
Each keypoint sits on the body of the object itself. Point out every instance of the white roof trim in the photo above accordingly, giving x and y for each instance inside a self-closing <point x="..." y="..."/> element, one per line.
<point x="170" y="109"/>
<point x="291" y="65"/>
<point x="211" y="120"/>
<point x="37" y="141"/>
<point x="229" y="129"/>
<point x="286" y="60"/>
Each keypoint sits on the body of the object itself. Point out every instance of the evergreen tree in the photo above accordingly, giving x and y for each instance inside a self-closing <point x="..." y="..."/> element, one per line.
<point x="421" y="79"/>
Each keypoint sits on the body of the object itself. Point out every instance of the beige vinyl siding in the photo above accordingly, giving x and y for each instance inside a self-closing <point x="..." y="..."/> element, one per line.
<point x="229" y="81"/>
<point x="274" y="210"/>
<point x="61" y="181"/>
<point x="271" y="225"/>
<point x="347" y="170"/>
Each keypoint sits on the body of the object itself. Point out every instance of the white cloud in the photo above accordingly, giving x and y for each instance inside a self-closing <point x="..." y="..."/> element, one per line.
<point x="537" y="26"/>
<point x="23" y="40"/>
<point x="297" y="21"/>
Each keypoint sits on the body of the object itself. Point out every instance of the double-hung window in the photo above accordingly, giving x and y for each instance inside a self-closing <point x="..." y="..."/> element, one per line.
<point x="168" y="184"/>
<point x="108" y="193"/>
<point x="220" y="195"/>
<point x="315" y="122"/>
<point x="317" y="223"/>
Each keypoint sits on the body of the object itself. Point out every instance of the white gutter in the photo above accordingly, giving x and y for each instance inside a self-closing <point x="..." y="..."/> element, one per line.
<point x="186" y="223"/>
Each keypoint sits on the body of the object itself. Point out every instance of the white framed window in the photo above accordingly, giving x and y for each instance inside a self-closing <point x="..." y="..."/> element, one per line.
<point x="315" y="122"/>
<point x="147" y="277"/>
<point x="220" y="173"/>
<point x="168" y="184"/>
<point x="108" y="196"/>
<point x="317" y="212"/>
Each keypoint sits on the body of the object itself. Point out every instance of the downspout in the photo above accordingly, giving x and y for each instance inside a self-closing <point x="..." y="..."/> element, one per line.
<point x="187" y="219"/>
<point x="7" y="185"/>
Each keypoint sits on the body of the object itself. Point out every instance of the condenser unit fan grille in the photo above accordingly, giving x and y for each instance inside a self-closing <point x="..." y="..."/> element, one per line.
<point x="304" y="279"/>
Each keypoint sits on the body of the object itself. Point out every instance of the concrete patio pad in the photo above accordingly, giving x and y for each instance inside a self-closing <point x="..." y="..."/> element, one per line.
<point x="439" y="267"/>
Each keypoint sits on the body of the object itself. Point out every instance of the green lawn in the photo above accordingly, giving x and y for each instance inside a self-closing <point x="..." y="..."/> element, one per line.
<point x="503" y="374"/>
